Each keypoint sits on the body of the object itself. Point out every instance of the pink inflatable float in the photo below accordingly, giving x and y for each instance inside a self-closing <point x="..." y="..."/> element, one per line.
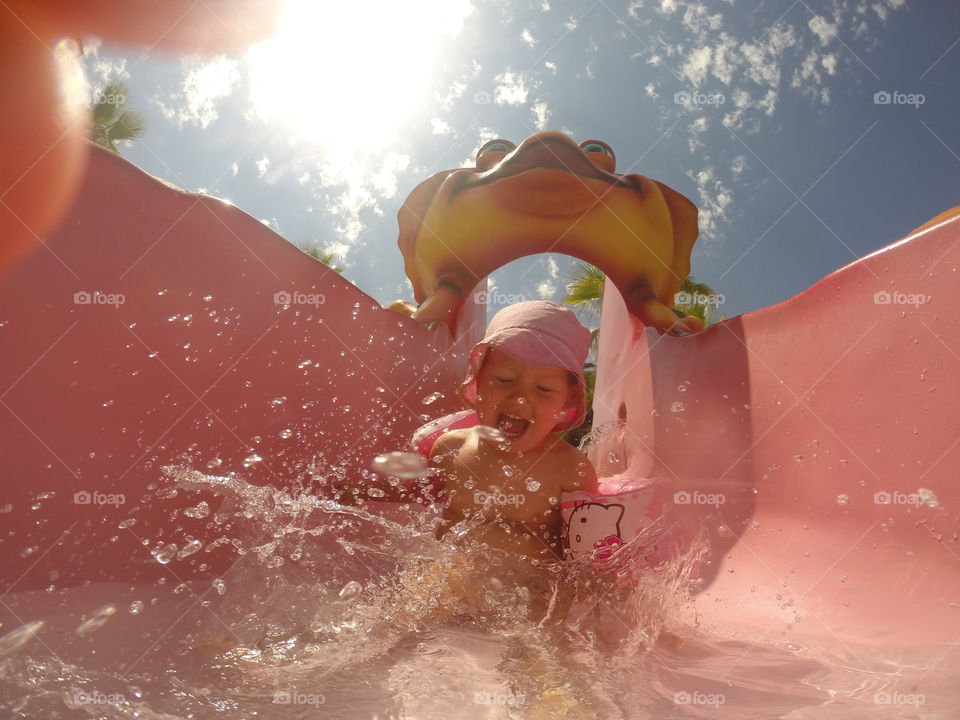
<point x="815" y="441"/>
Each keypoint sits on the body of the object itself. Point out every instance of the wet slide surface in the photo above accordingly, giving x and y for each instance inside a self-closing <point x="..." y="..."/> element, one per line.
<point x="161" y="328"/>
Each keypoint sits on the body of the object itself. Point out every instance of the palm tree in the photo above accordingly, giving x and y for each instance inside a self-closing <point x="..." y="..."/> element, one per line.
<point x="112" y="123"/>
<point x="585" y="295"/>
<point x="699" y="300"/>
<point x="323" y="254"/>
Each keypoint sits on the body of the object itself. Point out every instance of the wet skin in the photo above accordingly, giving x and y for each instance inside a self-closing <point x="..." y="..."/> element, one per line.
<point x="493" y="477"/>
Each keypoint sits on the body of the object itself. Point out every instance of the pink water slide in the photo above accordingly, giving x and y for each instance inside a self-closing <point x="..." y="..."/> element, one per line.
<point x="815" y="441"/>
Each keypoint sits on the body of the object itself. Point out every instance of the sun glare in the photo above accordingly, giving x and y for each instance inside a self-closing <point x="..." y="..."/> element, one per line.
<point x="350" y="71"/>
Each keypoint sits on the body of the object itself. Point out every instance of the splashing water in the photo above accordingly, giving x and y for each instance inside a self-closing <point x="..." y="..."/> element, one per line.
<point x="333" y="610"/>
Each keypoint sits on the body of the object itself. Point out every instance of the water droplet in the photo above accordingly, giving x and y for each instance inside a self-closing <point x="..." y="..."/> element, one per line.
<point x="220" y="586"/>
<point x="16" y="639"/>
<point x="189" y="549"/>
<point x="350" y="590"/>
<point x="552" y="500"/>
<point x="127" y="523"/>
<point x="200" y="511"/>
<point x="163" y="555"/>
<point x="842" y="500"/>
<point x="161" y="292"/>
<point x="136" y="607"/>
<point x="286" y="433"/>
<point x="375" y="492"/>
<point x="489" y="434"/>
<point x="214" y="463"/>
<point x="677" y="407"/>
<point x="275" y="562"/>
<point x="401" y="465"/>
<point x="278" y="401"/>
<point x="97" y="620"/>
<point x="432" y="398"/>
<point x="6" y="508"/>
<point x="532" y="485"/>
<point x="928" y="497"/>
<point x="682" y="387"/>
<point x="305" y="363"/>
<point x="251" y="460"/>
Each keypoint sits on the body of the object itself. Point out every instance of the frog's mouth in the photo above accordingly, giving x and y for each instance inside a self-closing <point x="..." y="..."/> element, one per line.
<point x="542" y="153"/>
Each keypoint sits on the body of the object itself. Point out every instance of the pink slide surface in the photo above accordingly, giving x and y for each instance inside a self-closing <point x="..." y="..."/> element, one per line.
<point x="162" y="328"/>
<point x="820" y="438"/>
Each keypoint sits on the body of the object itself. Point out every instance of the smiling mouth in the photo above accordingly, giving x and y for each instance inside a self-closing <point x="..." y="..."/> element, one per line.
<point x="512" y="426"/>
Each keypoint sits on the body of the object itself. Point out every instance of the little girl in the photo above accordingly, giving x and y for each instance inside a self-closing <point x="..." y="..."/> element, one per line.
<point x="525" y="383"/>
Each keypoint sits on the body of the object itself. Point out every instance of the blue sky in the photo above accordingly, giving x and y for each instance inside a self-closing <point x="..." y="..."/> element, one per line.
<point x="796" y="167"/>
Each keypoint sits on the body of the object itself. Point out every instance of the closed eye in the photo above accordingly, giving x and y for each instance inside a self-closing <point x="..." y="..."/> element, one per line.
<point x="544" y="389"/>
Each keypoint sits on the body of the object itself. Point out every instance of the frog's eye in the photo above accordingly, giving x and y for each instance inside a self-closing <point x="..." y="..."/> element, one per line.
<point x="493" y="152"/>
<point x="600" y="154"/>
<point x="593" y="146"/>
<point x="504" y="146"/>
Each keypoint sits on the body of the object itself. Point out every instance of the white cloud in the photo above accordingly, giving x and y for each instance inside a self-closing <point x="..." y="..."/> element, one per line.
<point x="528" y="38"/>
<point x="510" y="90"/>
<point x="553" y="270"/>
<point x="440" y="127"/>
<point x="541" y="114"/>
<point x="738" y="165"/>
<point x="234" y="168"/>
<point x="716" y="199"/>
<point x="262" y="165"/>
<point x="829" y="63"/>
<point x="667" y="7"/>
<point x="823" y="29"/>
<point x="697" y="65"/>
<point x="385" y="180"/>
<point x="453" y="93"/>
<point x="546" y="289"/>
<point x="204" y="85"/>
<point x="551" y="66"/>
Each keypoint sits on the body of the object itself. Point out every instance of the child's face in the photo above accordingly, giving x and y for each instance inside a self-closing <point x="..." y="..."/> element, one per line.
<point x="524" y="402"/>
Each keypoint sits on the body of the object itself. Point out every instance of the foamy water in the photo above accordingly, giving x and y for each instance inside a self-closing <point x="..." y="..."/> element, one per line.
<point x="334" y="612"/>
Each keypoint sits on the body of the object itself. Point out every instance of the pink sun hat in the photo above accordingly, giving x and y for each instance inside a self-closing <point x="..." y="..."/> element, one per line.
<point x="542" y="334"/>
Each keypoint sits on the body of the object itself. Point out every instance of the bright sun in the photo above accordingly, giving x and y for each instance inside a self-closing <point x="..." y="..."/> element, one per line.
<point x="350" y="70"/>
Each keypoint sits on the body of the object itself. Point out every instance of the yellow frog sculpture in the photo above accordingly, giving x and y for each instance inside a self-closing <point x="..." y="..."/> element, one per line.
<point x="547" y="195"/>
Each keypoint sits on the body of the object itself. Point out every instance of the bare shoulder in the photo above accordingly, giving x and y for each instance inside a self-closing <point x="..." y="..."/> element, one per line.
<point x="575" y="470"/>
